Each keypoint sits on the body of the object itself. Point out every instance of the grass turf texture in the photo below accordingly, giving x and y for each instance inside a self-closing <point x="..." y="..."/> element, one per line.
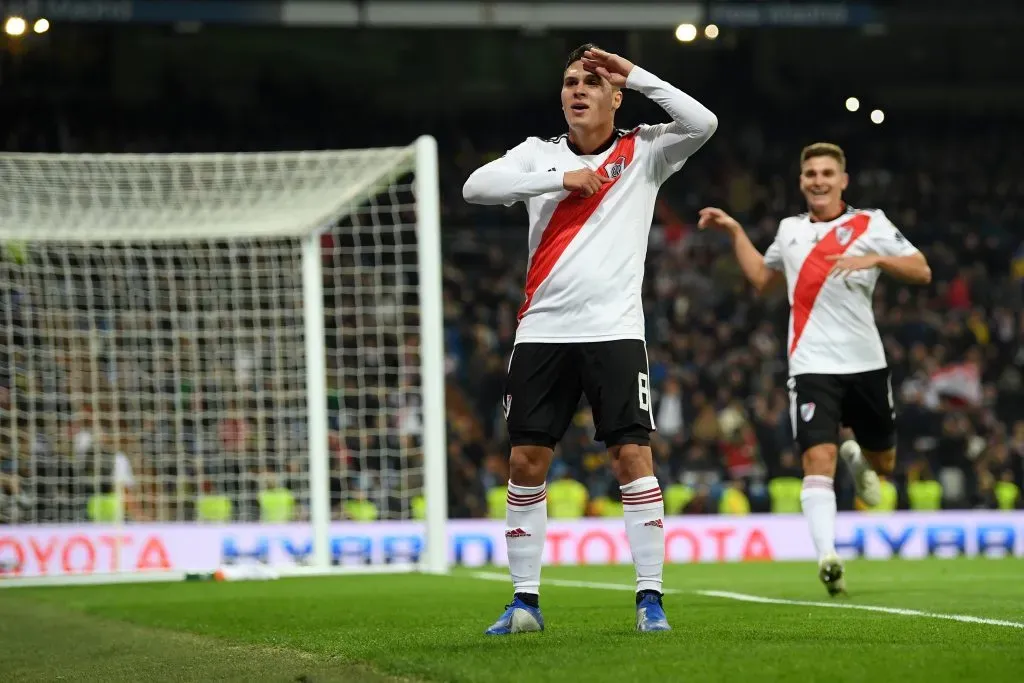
<point x="427" y="628"/>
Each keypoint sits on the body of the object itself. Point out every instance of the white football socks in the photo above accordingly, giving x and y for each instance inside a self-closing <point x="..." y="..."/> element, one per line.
<point x="818" y="498"/>
<point x="644" y="510"/>
<point x="526" y="525"/>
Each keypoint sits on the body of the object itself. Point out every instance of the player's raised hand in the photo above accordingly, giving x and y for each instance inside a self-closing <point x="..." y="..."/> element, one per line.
<point x="710" y="217"/>
<point x="584" y="181"/>
<point x="611" y="67"/>
<point x="844" y="265"/>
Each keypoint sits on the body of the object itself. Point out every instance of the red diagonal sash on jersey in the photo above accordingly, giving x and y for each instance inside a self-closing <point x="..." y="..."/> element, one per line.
<point x="567" y="220"/>
<point x="815" y="270"/>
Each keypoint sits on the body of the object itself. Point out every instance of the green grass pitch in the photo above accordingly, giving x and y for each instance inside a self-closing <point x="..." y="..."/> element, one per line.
<point x="429" y="628"/>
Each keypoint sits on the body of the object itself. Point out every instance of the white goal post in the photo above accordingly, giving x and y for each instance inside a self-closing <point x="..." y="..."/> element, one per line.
<point x="209" y="358"/>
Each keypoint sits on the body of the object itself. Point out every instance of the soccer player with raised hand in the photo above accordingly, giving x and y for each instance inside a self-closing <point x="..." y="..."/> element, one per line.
<point x="831" y="258"/>
<point x="590" y="196"/>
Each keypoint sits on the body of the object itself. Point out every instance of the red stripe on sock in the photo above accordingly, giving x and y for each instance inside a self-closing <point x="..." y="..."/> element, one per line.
<point x="542" y="492"/>
<point x="655" y="498"/>
<point x="627" y="494"/>
<point x="522" y="501"/>
<point x="640" y="494"/>
<point x="531" y="499"/>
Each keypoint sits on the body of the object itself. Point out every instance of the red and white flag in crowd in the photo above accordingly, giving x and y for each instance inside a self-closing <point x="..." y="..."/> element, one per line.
<point x="958" y="382"/>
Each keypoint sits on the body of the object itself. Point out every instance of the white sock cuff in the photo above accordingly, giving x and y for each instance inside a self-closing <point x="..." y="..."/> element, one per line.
<point x="526" y="497"/>
<point x="818" y="482"/>
<point x="641" y="494"/>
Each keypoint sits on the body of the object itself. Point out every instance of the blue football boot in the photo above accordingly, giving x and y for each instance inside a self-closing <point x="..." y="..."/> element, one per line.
<point x="650" y="615"/>
<point x="518" y="617"/>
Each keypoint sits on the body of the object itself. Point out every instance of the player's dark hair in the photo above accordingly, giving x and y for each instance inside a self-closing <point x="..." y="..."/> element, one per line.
<point x="577" y="54"/>
<point x="824" y="149"/>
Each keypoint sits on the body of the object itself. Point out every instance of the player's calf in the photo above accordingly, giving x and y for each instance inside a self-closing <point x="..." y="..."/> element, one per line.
<point x="644" y="511"/>
<point x="526" y="519"/>
<point x="818" y="497"/>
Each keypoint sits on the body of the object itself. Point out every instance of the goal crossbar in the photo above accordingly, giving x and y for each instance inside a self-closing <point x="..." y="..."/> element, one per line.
<point x="62" y="198"/>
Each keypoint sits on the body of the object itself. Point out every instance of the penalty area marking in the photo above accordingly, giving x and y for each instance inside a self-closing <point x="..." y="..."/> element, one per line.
<point x="743" y="597"/>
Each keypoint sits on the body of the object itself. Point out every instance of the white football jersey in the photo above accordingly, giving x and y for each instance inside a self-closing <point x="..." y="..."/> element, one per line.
<point x="832" y="328"/>
<point x="587" y="254"/>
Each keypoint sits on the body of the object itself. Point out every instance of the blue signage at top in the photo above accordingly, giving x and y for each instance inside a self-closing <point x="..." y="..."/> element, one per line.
<point x="463" y="13"/>
<point x="785" y="14"/>
<point x="148" y="11"/>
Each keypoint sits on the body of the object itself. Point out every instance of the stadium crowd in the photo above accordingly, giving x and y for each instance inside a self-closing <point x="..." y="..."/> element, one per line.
<point x="717" y="352"/>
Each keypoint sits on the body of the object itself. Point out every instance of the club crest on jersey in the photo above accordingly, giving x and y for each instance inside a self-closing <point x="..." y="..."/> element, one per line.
<point x="807" y="412"/>
<point x="615" y="169"/>
<point x="843" y="235"/>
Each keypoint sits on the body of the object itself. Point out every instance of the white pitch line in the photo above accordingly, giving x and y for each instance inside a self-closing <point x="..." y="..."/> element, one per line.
<point x="743" y="597"/>
<point x="964" y="618"/>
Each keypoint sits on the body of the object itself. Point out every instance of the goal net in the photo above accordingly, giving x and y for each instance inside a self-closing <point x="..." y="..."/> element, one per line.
<point x="220" y="359"/>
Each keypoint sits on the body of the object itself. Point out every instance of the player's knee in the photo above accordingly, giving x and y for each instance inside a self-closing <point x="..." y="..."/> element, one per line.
<point x="528" y="465"/>
<point x="631" y="461"/>
<point x="820" y="460"/>
<point x="882" y="462"/>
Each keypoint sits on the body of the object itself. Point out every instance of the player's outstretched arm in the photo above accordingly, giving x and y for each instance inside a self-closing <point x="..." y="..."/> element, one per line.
<point x="912" y="269"/>
<point x="754" y="266"/>
<point x="512" y="179"/>
<point x="891" y="253"/>
<point x="692" y="123"/>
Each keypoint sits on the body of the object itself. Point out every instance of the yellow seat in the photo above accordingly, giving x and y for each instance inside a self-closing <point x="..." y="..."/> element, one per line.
<point x="361" y="510"/>
<point x="677" y="497"/>
<point x="611" y="508"/>
<point x="567" y="499"/>
<point x="1007" y="494"/>
<point x="925" y="495"/>
<point x="216" y="509"/>
<point x="785" y="495"/>
<point x="419" y="508"/>
<point x="277" y="505"/>
<point x="496" y="502"/>
<point x="105" y="508"/>
<point x="734" y="502"/>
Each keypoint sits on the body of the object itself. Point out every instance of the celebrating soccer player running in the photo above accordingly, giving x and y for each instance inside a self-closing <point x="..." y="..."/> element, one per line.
<point x="590" y="196"/>
<point x="831" y="258"/>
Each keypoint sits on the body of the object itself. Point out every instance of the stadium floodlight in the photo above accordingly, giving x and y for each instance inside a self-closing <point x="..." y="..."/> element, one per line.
<point x="852" y="104"/>
<point x="711" y="31"/>
<point x="15" y="26"/>
<point x="41" y="25"/>
<point x="877" y="116"/>
<point x="686" y="33"/>
<point x="258" y="336"/>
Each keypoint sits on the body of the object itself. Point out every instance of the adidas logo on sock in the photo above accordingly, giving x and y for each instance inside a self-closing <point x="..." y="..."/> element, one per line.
<point x="654" y="522"/>
<point x="519" y="533"/>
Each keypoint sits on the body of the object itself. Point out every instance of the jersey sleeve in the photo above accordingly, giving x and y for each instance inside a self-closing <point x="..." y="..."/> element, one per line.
<point x="510" y="178"/>
<point x="671" y="144"/>
<point x="886" y="240"/>
<point x="773" y="256"/>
